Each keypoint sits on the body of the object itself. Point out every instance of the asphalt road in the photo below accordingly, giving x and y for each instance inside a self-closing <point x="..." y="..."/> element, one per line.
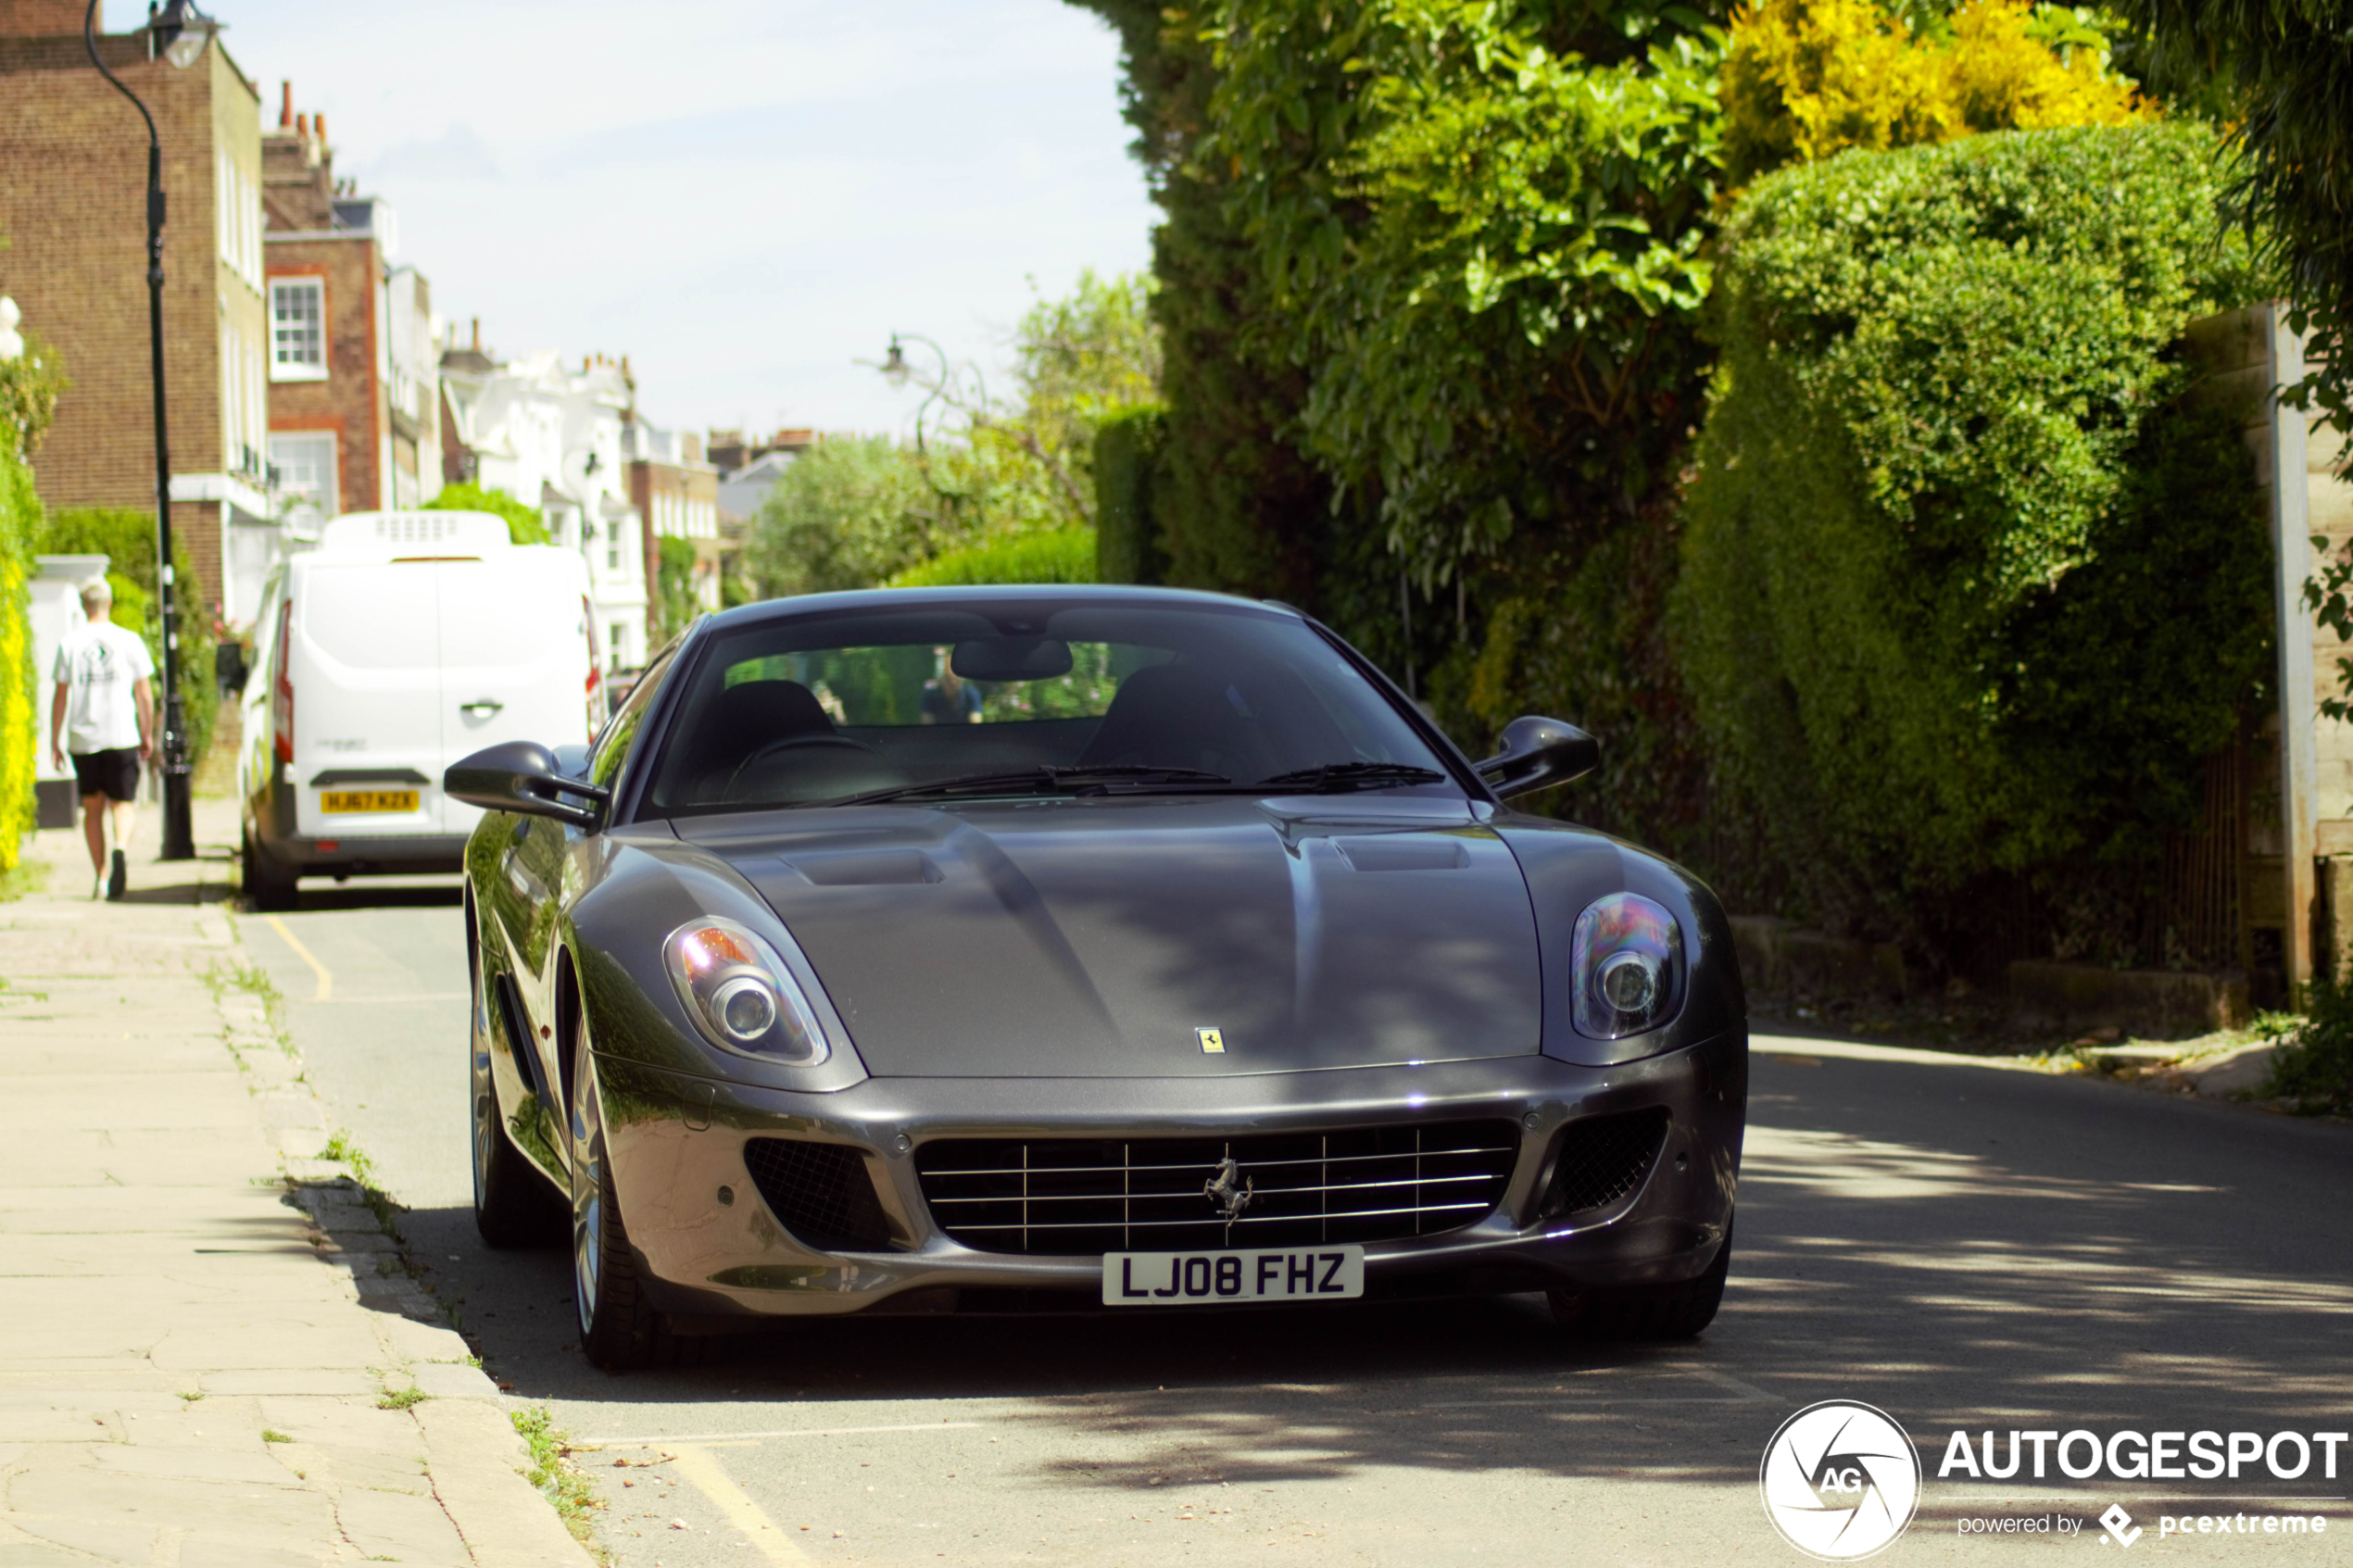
<point x="1961" y="1246"/>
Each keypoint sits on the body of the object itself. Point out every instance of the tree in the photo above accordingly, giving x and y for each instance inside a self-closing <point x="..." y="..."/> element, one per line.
<point x="2284" y="71"/>
<point x="525" y="525"/>
<point x="848" y="513"/>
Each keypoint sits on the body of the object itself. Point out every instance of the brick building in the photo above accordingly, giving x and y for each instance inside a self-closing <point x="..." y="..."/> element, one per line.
<point x="355" y="381"/>
<point x="73" y="210"/>
<point x="676" y="494"/>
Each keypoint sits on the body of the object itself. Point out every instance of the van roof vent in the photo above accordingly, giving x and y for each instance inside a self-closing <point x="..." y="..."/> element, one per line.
<point x="399" y="533"/>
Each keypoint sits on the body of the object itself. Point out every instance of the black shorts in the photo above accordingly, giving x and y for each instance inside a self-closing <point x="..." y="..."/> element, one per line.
<point x="114" y="774"/>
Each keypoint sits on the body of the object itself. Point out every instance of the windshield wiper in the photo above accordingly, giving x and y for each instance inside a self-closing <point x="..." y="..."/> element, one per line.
<point x="1040" y="778"/>
<point x="1352" y="776"/>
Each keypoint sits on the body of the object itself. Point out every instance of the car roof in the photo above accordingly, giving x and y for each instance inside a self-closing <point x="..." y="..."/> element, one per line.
<point x="1045" y="594"/>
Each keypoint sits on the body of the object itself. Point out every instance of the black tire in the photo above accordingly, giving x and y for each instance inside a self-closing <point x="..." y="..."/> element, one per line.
<point x="514" y="1205"/>
<point x="271" y="885"/>
<point x="620" y="1331"/>
<point x="1681" y="1311"/>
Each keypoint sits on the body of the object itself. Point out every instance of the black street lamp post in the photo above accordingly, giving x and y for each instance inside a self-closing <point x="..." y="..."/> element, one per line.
<point x="180" y="33"/>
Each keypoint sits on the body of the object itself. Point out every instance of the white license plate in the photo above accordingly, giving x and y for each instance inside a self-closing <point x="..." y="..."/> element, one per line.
<point x="1200" y="1279"/>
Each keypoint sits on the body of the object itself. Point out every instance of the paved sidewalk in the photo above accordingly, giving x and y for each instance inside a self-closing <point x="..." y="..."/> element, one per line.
<point x="208" y="1336"/>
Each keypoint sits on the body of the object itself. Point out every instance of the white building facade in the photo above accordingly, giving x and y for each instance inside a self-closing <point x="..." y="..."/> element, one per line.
<point x="551" y="437"/>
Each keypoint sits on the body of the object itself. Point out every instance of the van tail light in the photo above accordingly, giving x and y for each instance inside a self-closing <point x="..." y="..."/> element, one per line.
<point x="281" y="687"/>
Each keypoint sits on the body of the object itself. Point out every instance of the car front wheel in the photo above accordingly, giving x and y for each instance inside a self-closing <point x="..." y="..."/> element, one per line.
<point x="1654" y="1311"/>
<point x="619" y="1329"/>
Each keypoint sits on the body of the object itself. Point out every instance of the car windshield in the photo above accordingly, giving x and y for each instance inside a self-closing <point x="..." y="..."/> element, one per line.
<point x="980" y="700"/>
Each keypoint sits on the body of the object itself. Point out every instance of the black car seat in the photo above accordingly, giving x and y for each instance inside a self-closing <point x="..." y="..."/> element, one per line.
<point x="1177" y="716"/>
<point x="745" y="718"/>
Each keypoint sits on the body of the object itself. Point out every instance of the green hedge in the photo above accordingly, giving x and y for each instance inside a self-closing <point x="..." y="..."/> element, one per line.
<point x="1130" y="482"/>
<point x="126" y="535"/>
<point x="1066" y="555"/>
<point x="1969" y="586"/>
<point x="20" y="513"/>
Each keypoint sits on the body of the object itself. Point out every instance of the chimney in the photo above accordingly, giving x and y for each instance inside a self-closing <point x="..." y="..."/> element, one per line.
<point x="319" y="123"/>
<point x="286" y="107"/>
<point x="477" y="334"/>
<point x="302" y="126"/>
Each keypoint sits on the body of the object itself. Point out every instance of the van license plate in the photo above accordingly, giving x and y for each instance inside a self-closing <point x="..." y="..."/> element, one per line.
<point x="1198" y="1279"/>
<point x="343" y="802"/>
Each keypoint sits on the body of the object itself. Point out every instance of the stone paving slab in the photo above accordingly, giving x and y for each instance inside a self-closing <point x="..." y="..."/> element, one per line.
<point x="183" y="1274"/>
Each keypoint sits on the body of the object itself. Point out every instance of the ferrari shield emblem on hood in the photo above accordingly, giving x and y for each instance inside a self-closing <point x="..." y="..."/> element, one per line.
<point x="1212" y="1041"/>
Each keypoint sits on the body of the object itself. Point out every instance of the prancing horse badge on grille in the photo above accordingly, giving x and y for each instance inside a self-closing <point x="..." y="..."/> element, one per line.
<point x="1212" y="1041"/>
<point x="1230" y="1189"/>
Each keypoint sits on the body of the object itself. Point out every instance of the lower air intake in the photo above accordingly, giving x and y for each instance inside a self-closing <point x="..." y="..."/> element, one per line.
<point x="820" y="1192"/>
<point x="1602" y="1159"/>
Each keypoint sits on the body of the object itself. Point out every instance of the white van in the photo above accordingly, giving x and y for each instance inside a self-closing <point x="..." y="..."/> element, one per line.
<point x="403" y="641"/>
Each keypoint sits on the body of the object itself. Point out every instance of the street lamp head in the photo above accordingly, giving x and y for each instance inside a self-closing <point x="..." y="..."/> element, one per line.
<point x="895" y="368"/>
<point x="180" y="32"/>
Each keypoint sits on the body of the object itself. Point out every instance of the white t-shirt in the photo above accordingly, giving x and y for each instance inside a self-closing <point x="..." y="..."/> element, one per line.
<point x="99" y="663"/>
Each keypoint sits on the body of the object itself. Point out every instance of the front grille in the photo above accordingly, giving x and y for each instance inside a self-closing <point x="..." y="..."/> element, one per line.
<point x="820" y="1192"/>
<point x="1602" y="1159"/>
<point x="1072" y="1196"/>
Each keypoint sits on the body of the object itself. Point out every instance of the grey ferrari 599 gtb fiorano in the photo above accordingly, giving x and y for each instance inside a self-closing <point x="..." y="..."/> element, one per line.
<point x="1034" y="948"/>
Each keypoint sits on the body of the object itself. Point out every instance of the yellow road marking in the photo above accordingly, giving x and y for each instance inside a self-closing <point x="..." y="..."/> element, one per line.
<point x="735" y="1503"/>
<point x="326" y="981"/>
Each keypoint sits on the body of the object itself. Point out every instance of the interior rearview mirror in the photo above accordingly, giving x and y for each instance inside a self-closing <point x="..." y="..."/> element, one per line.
<point x="1537" y="754"/>
<point x="1011" y="659"/>
<point x="522" y="775"/>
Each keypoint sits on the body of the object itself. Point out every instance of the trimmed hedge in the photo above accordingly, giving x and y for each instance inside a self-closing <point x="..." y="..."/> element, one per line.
<point x="20" y="511"/>
<point x="1130" y="482"/>
<point x="1065" y="555"/>
<point x="1968" y="586"/>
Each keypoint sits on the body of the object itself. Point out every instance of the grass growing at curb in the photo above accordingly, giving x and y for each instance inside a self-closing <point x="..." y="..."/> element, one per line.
<point x="344" y="1149"/>
<point x="272" y="1435"/>
<point x="25" y="876"/>
<point x="402" y="1399"/>
<point x="557" y="1477"/>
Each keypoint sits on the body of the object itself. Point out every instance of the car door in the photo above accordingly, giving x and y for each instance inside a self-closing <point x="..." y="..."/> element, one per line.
<point x="515" y="659"/>
<point x="531" y="893"/>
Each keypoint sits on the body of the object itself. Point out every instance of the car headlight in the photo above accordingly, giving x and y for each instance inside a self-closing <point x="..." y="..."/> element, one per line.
<point x="740" y="995"/>
<point x="1628" y="960"/>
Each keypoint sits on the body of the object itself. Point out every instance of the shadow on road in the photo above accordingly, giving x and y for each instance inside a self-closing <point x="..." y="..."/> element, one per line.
<point x="1964" y="1248"/>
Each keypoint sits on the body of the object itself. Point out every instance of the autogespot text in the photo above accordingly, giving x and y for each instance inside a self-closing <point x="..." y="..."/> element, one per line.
<point x="2154" y="1456"/>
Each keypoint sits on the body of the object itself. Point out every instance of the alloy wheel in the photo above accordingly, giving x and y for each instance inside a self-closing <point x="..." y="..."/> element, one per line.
<point x="587" y="1193"/>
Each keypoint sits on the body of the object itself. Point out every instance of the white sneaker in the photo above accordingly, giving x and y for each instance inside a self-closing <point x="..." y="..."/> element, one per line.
<point x="98" y="887"/>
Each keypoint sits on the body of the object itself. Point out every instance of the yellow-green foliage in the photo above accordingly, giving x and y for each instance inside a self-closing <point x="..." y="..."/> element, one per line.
<point x="1808" y="78"/>
<point x="18" y="511"/>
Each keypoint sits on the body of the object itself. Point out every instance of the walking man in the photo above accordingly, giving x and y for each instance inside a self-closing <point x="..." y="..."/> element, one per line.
<point x="105" y="715"/>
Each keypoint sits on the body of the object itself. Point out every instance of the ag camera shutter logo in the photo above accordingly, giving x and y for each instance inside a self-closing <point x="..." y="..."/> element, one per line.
<point x="1839" y="1481"/>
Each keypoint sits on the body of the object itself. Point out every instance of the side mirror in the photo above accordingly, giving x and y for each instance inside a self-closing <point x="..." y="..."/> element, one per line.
<point x="1537" y="754"/>
<point x="521" y="775"/>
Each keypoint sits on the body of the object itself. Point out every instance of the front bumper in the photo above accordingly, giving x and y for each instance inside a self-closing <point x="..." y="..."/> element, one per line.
<point x="675" y="1141"/>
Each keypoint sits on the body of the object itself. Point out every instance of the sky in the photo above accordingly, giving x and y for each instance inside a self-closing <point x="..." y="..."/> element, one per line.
<point x="746" y="199"/>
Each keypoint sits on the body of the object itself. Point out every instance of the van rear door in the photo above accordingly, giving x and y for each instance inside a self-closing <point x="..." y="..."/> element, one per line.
<point x="514" y="657"/>
<point x="366" y="699"/>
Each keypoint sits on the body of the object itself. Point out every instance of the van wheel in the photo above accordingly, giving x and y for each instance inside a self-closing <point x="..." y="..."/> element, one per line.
<point x="269" y="885"/>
